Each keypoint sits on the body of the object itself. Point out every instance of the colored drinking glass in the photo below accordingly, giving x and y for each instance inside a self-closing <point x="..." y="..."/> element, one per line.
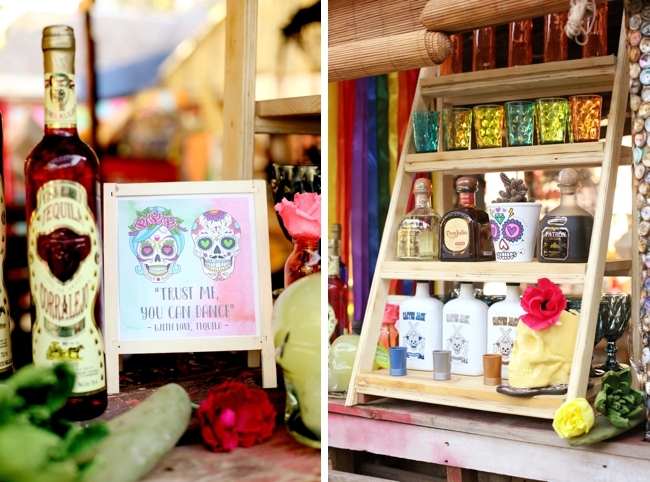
<point x="520" y="122"/>
<point x="457" y="127"/>
<point x="425" y="130"/>
<point x="585" y="117"/>
<point x="488" y="125"/>
<point x="551" y="120"/>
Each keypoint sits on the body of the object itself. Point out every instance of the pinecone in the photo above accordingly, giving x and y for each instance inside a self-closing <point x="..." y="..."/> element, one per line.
<point x="515" y="191"/>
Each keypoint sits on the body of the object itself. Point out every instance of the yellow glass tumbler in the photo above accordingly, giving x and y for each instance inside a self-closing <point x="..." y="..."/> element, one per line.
<point x="488" y="125"/>
<point x="552" y="116"/>
<point x="457" y="127"/>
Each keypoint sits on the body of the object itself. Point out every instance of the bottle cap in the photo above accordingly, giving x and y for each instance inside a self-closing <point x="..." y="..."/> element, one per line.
<point x="568" y="181"/>
<point x="335" y="231"/>
<point x="58" y="37"/>
<point x="422" y="185"/>
<point x="466" y="184"/>
<point x="391" y="313"/>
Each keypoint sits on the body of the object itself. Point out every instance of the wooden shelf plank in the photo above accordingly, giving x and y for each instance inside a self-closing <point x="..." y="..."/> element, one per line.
<point x="308" y="106"/>
<point x="525" y="158"/>
<point x="484" y="271"/>
<point x="590" y="75"/>
<point x="460" y="391"/>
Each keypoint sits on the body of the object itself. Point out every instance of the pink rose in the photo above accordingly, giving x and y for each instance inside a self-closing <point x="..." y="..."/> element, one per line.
<point x="301" y="216"/>
<point x="140" y="223"/>
<point x="155" y="217"/>
<point x="169" y="222"/>
<point x="543" y="304"/>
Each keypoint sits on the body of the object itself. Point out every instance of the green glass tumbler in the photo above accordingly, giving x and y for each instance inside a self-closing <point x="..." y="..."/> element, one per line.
<point x="552" y="116"/>
<point x="425" y="130"/>
<point x="488" y="125"/>
<point x="520" y="122"/>
<point x="457" y="127"/>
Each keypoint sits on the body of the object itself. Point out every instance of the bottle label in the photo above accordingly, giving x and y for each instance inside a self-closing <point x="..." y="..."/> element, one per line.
<point x="456" y="234"/>
<point x="333" y="266"/>
<point x="6" y="360"/>
<point x="64" y="269"/>
<point x="332" y="322"/>
<point x="502" y="345"/>
<point x="60" y="100"/>
<point x="457" y="343"/>
<point x="555" y="243"/>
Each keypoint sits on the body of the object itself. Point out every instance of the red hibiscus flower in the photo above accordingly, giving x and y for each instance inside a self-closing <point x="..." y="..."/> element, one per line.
<point x="543" y="304"/>
<point x="235" y="415"/>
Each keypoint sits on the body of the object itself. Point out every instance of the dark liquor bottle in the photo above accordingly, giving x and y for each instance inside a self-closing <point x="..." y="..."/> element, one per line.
<point x="565" y="232"/>
<point x="465" y="231"/>
<point x="64" y="253"/>
<point x="6" y="360"/>
<point x="337" y="298"/>
<point x="334" y="248"/>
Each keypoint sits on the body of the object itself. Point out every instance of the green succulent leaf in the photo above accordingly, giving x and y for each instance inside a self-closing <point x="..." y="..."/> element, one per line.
<point x="616" y="400"/>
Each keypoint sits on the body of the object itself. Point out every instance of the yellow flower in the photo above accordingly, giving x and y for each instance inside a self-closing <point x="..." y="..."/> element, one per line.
<point x="573" y="418"/>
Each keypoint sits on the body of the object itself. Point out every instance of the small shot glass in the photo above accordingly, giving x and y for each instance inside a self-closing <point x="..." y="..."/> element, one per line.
<point x="397" y="358"/>
<point x="441" y="364"/>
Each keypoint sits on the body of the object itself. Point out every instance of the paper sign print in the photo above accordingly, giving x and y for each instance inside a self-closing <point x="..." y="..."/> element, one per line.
<point x="216" y="235"/>
<point x="156" y="240"/>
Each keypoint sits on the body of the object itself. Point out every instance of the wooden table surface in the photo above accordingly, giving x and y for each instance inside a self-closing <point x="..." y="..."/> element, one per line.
<point x="487" y="442"/>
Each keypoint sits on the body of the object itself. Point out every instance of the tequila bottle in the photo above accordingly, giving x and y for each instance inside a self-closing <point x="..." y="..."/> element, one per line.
<point x="334" y="249"/>
<point x="417" y="235"/>
<point x="565" y="232"/>
<point x="465" y="232"/>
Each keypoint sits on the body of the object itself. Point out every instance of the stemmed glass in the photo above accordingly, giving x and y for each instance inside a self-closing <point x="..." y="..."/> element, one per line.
<point x="615" y="320"/>
<point x="575" y="304"/>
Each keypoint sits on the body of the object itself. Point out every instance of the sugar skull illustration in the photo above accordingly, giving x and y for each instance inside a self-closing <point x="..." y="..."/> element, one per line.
<point x="216" y="243"/>
<point x="156" y="240"/>
<point x="507" y="232"/>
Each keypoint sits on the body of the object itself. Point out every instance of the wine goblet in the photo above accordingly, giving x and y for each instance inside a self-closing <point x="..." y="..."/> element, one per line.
<point x="615" y="320"/>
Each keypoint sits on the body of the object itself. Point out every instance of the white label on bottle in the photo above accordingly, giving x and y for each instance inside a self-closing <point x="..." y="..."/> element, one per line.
<point x="456" y="234"/>
<point x="6" y="360"/>
<point x="60" y="100"/>
<point x="65" y="330"/>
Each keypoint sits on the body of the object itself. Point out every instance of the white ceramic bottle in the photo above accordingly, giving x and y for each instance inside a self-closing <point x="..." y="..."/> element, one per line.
<point x="420" y="328"/>
<point x="464" y="331"/>
<point x="503" y="318"/>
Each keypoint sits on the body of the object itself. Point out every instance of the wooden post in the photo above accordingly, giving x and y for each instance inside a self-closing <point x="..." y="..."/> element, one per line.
<point x="91" y="72"/>
<point x="239" y="89"/>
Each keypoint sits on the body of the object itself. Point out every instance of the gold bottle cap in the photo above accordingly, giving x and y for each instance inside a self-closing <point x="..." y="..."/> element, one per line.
<point x="422" y="185"/>
<point x="335" y="231"/>
<point x="466" y="184"/>
<point x="58" y="37"/>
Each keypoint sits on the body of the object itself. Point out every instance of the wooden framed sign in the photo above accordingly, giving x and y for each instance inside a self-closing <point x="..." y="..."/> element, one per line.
<point x="187" y="269"/>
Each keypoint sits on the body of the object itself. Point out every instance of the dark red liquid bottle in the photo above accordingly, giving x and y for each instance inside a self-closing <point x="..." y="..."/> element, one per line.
<point x="64" y="251"/>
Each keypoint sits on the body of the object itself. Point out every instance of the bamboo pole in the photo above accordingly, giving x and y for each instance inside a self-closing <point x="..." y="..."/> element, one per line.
<point x="393" y="53"/>
<point x="452" y="17"/>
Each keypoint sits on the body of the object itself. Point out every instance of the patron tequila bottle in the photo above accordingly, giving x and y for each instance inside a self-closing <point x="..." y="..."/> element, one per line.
<point x="465" y="232"/>
<point x="64" y="253"/>
<point x="565" y="232"/>
<point x="417" y="235"/>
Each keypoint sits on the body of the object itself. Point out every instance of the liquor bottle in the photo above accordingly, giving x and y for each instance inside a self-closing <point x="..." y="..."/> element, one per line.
<point x="465" y="232"/>
<point x="420" y="328"/>
<point x="596" y="45"/>
<point x="520" y="45"/>
<point x="388" y="334"/>
<point x="454" y="63"/>
<point x="64" y="253"/>
<point x="334" y="248"/>
<point x="503" y="318"/>
<point x="337" y="298"/>
<point x="565" y="232"/>
<point x="464" y="331"/>
<point x="417" y="235"/>
<point x="484" y="53"/>
<point x="6" y="360"/>
<point x="556" y="43"/>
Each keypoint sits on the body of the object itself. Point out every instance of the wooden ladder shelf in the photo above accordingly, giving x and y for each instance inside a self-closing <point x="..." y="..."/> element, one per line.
<point x="603" y="74"/>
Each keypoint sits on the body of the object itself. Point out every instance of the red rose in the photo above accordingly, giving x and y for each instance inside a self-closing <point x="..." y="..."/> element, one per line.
<point x="543" y="304"/>
<point x="235" y="415"/>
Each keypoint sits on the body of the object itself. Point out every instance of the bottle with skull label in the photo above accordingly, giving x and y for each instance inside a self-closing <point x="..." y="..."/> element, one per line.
<point x="420" y="328"/>
<point x="503" y="318"/>
<point x="64" y="255"/>
<point x="464" y="331"/>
